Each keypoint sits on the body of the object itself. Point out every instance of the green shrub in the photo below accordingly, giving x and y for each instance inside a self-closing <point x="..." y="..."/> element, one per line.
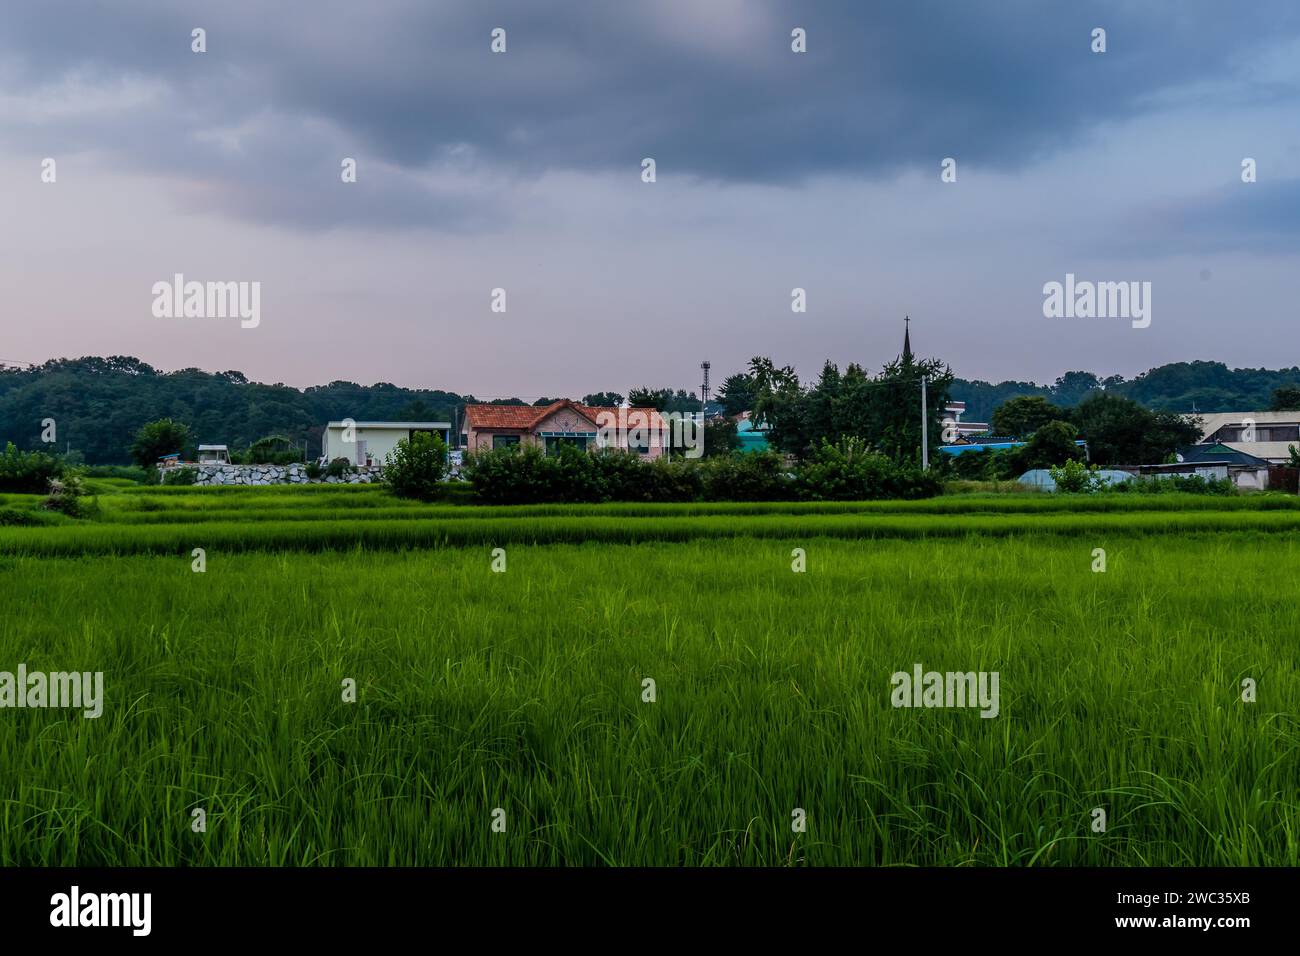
<point x="1074" y="478"/>
<point x="179" y="476"/>
<point x="524" y="474"/>
<point x="1182" y="484"/>
<point x="850" y="471"/>
<point x="416" y="466"/>
<point x="313" y="470"/>
<point x="1052" y="444"/>
<point x="271" y="450"/>
<point x="68" y="497"/>
<point x="677" y="479"/>
<point x="27" y="472"/>
<point x="129" y="472"/>
<point x="759" y="476"/>
<point x="624" y="476"/>
<point x="158" y="438"/>
<point x="338" y="468"/>
<point x="14" y="518"/>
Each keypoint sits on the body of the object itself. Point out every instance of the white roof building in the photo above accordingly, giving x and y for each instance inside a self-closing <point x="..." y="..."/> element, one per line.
<point x="367" y="443"/>
<point x="1262" y="434"/>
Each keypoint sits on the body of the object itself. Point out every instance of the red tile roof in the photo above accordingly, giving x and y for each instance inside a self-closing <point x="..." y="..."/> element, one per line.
<point x="525" y="417"/>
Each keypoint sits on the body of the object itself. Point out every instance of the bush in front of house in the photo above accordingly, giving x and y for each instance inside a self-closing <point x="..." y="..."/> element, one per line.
<point x="850" y="471"/>
<point x="416" y="467"/>
<point x="758" y="476"/>
<point x="1076" y="478"/>
<point x="179" y="476"/>
<point x="313" y="470"/>
<point x="525" y="474"/>
<point x="623" y="476"/>
<point x="27" y="472"/>
<point x="339" y="468"/>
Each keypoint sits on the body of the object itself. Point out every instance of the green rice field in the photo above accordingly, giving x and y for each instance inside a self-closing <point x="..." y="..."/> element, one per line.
<point x="501" y="716"/>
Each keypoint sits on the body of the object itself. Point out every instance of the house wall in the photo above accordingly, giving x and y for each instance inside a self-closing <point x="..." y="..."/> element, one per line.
<point x="623" y="424"/>
<point x="380" y="442"/>
<point x="480" y="439"/>
<point x="567" y="420"/>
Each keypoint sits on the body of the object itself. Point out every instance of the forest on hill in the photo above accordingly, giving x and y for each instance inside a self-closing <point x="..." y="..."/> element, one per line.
<point x="97" y="404"/>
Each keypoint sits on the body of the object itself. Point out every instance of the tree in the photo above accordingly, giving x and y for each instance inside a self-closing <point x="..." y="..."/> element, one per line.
<point x="158" y="438"/>
<point x="415" y="467"/>
<point x="603" y="400"/>
<point x="720" y="437"/>
<point x="737" y="393"/>
<point x="1072" y="387"/>
<point x="894" y="425"/>
<point x="1286" y="399"/>
<point x="664" y="399"/>
<point x="1051" y="444"/>
<point x="27" y="472"/>
<point x="417" y="411"/>
<point x="1119" y="431"/>
<point x="779" y="404"/>
<point x="1022" y="416"/>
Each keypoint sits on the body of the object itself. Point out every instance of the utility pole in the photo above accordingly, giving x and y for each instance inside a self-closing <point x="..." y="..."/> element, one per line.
<point x="925" y="430"/>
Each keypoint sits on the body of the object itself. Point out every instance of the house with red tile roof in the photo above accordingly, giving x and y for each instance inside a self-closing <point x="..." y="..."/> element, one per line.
<point x="642" y="430"/>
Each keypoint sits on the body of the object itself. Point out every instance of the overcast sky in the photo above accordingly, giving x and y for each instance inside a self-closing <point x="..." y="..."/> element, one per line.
<point x="523" y="170"/>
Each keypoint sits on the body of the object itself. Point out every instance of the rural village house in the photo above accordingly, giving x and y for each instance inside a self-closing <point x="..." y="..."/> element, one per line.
<point x="565" y="422"/>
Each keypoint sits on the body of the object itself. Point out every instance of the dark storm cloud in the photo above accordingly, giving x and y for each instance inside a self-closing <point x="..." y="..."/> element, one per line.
<point x="708" y="87"/>
<point x="1262" y="218"/>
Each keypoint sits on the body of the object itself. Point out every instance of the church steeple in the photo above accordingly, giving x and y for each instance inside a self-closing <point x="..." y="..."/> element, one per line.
<point x="907" y="341"/>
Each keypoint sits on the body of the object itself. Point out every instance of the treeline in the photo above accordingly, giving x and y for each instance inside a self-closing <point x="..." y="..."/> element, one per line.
<point x="1177" y="387"/>
<point x="98" y="404"/>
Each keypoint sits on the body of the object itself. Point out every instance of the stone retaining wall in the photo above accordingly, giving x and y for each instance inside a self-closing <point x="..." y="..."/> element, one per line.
<point x="276" y="475"/>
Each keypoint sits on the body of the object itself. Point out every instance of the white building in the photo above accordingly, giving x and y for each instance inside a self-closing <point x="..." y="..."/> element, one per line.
<point x="214" y="455"/>
<point x="953" y="412"/>
<point x="369" y="443"/>
<point x="1267" y="435"/>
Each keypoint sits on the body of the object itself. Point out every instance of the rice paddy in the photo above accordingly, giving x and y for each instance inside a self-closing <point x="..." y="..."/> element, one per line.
<point x="502" y="714"/>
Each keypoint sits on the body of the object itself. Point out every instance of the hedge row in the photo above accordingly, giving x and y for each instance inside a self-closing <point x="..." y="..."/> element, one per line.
<point x="845" y="472"/>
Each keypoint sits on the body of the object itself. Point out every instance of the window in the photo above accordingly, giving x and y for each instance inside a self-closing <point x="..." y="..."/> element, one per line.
<point x="553" y="445"/>
<point x="504" y="441"/>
